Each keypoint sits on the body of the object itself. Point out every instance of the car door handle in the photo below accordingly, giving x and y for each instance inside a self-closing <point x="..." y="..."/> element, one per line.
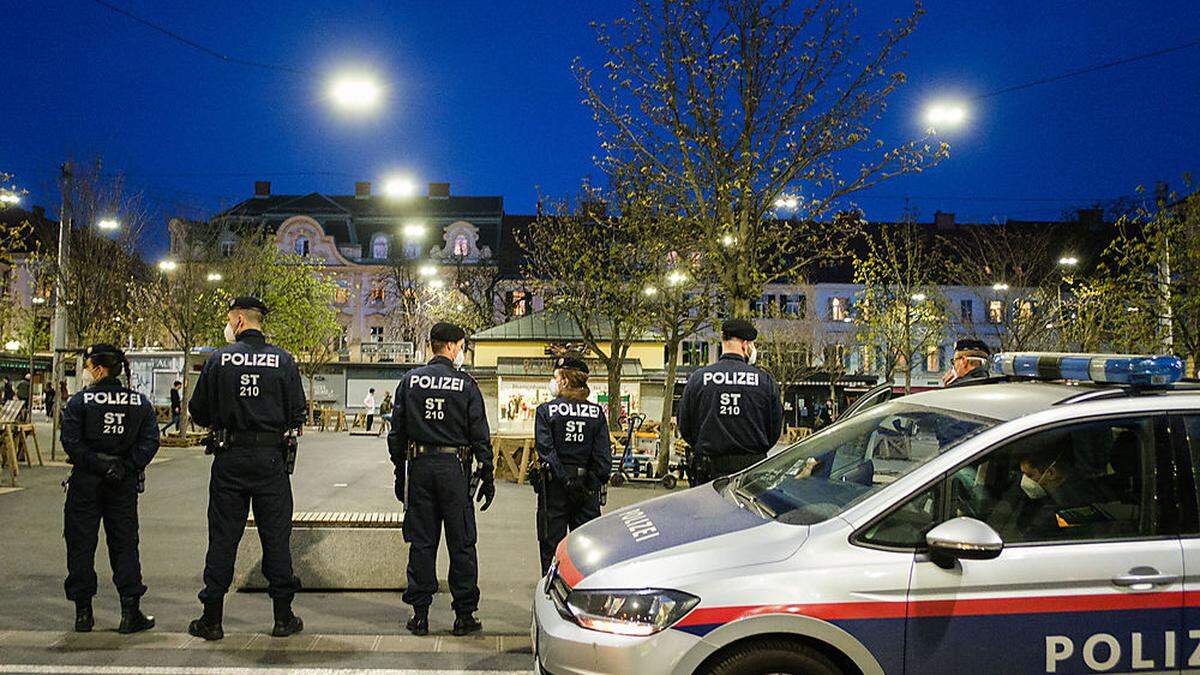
<point x="1145" y="576"/>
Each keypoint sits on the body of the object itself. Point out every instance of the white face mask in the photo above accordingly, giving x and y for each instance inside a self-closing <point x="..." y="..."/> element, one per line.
<point x="554" y="387"/>
<point x="230" y="336"/>
<point x="752" y="358"/>
<point x="458" y="358"/>
<point x="87" y="378"/>
<point x="1032" y="488"/>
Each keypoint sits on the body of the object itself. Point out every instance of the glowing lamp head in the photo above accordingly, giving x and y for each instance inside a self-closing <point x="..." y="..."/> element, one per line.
<point x="167" y="266"/>
<point x="940" y="115"/>
<point x="413" y="231"/>
<point x="399" y="187"/>
<point x="108" y="224"/>
<point x="357" y="93"/>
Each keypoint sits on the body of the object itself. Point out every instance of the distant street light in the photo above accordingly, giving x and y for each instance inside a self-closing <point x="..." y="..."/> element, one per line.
<point x="918" y="297"/>
<point x="167" y="265"/>
<point x="945" y="115"/>
<point x="399" y="187"/>
<point x="999" y="287"/>
<point x="728" y="240"/>
<point x="9" y="198"/>
<point x="1068" y="261"/>
<point x="356" y="92"/>
<point x="38" y="300"/>
<point x="414" y="231"/>
<point x="650" y="291"/>
<point x="215" y="276"/>
<point x="12" y="345"/>
<point x="108" y="224"/>
<point x="427" y="270"/>
<point x="787" y="202"/>
<point x="675" y="278"/>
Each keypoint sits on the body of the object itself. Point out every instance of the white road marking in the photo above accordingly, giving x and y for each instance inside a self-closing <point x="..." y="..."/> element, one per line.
<point x="341" y="485"/>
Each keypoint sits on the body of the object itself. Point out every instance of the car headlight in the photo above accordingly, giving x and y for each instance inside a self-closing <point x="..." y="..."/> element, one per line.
<point x="641" y="612"/>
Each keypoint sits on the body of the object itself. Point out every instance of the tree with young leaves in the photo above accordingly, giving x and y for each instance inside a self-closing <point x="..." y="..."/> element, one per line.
<point x="738" y="108"/>
<point x="900" y="312"/>
<point x="594" y="257"/>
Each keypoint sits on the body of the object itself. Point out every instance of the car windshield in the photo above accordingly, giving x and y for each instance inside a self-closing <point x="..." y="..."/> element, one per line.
<point x="825" y="474"/>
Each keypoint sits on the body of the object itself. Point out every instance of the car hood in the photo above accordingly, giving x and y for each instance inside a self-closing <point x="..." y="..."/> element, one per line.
<point x="690" y="523"/>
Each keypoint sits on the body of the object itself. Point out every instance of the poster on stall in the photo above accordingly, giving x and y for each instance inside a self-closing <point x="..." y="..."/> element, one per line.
<point x="519" y="400"/>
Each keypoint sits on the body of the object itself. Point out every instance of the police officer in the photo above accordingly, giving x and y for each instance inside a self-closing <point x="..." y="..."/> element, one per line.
<point x="731" y="413"/>
<point x="249" y="396"/>
<point x="110" y="434"/>
<point x="575" y="452"/>
<point x="970" y="362"/>
<point x="438" y="427"/>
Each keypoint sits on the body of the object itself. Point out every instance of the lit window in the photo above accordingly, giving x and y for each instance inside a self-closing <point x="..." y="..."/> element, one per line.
<point x="966" y="310"/>
<point x="342" y="295"/>
<point x="412" y="250"/>
<point x="377" y="294"/>
<point x="302" y="247"/>
<point x="933" y="359"/>
<point x="379" y="247"/>
<point x="694" y="352"/>
<point x="376" y="333"/>
<point x="519" y="303"/>
<point x="996" y="311"/>
<point x="839" y="309"/>
<point x="227" y="249"/>
<point x="462" y="248"/>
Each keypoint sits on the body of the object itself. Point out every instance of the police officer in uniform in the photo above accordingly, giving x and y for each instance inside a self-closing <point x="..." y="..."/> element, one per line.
<point x="438" y="427"/>
<point x="249" y="396"/>
<point x="731" y="413"/>
<point x="970" y="362"/>
<point x="575" y="453"/>
<point x="110" y="434"/>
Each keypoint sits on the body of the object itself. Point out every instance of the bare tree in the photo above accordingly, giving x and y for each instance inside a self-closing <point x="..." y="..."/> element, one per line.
<point x="743" y="109"/>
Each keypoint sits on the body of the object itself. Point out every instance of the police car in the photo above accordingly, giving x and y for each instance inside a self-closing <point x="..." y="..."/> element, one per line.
<point x="1044" y="520"/>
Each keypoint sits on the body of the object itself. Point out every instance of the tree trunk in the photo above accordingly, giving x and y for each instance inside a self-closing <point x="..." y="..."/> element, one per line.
<point x="615" y="358"/>
<point x="312" y="378"/>
<point x="665" y="435"/>
<point x="185" y="394"/>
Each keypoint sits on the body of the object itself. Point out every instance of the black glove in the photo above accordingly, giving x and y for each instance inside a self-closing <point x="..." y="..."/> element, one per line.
<point x="114" y="471"/>
<point x="400" y="489"/>
<point x="486" y="493"/>
<point x="575" y="485"/>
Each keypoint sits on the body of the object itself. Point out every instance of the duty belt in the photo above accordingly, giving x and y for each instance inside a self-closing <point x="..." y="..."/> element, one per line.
<point x="416" y="450"/>
<point x="251" y="439"/>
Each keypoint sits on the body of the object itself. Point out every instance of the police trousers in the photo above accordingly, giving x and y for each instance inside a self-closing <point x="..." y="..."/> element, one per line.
<point x="558" y="512"/>
<point x="706" y="468"/>
<point x="91" y="500"/>
<point x="243" y="479"/>
<point x="438" y="497"/>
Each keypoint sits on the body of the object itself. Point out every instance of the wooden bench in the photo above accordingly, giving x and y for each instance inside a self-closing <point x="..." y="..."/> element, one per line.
<point x="15" y="435"/>
<point x="334" y="550"/>
<point x="332" y="419"/>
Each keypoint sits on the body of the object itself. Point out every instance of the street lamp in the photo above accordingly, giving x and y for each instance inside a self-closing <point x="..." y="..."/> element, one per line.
<point x="12" y="345"/>
<point x="787" y="202"/>
<point x="413" y="231"/>
<point x="400" y="187"/>
<point x="676" y="277"/>
<point x="1068" y="261"/>
<point x="945" y="114"/>
<point x="215" y="276"/>
<point x="650" y="291"/>
<point x="999" y="287"/>
<point x="38" y="300"/>
<point x="918" y="297"/>
<point x="108" y="224"/>
<point x="728" y="240"/>
<point x="167" y="265"/>
<point x="355" y="92"/>
<point x="9" y="198"/>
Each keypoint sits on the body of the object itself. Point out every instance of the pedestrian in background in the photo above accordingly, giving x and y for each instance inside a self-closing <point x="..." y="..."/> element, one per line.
<point x="9" y="394"/>
<point x="110" y="435"/>
<point x="176" y="407"/>
<point x="249" y="395"/>
<point x="970" y="362"/>
<point x="25" y="395"/>
<point x="369" y="404"/>
<point x="385" y="412"/>
<point x="575" y="453"/>
<point x="731" y="413"/>
<point x="48" y="397"/>
<point x="438" y="428"/>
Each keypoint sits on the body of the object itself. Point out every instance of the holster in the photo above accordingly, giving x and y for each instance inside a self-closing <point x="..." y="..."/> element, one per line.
<point x="216" y="442"/>
<point x="290" y="446"/>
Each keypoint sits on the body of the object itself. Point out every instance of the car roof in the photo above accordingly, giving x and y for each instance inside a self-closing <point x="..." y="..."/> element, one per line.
<point x="1003" y="400"/>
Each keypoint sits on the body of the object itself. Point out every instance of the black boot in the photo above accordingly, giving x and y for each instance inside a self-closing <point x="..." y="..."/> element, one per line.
<point x="286" y="623"/>
<point x="84" y="621"/>
<point x="132" y="619"/>
<point x="419" y="623"/>
<point x="465" y="624"/>
<point x="208" y="626"/>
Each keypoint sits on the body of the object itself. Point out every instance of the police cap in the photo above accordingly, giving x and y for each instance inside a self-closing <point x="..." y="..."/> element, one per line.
<point x="248" y="302"/>
<point x="572" y="362"/>
<point x="444" y="331"/>
<point x="738" y="328"/>
<point x="103" y="348"/>
<point x="971" y="345"/>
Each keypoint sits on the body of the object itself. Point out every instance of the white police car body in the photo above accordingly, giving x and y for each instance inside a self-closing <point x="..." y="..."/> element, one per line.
<point x="1011" y="527"/>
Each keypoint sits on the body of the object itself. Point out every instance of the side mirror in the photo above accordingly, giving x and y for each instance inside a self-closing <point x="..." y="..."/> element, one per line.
<point x="962" y="539"/>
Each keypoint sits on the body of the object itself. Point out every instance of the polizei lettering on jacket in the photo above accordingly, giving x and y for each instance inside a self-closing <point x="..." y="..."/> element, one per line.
<point x="444" y="382"/>
<point x="244" y="359"/>
<point x="742" y="377"/>
<point x="112" y="397"/>
<point x="575" y="410"/>
<point x="639" y="525"/>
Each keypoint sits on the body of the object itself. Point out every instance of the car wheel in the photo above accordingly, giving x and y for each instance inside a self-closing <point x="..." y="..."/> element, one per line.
<point x="669" y="481"/>
<point x="773" y="655"/>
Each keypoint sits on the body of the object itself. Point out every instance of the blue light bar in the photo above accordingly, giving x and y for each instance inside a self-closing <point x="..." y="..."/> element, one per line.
<point x="1133" y="369"/>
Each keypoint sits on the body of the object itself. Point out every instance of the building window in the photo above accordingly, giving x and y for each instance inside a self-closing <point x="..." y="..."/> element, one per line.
<point x="379" y="247"/>
<point x="377" y="294"/>
<point x="376" y="333"/>
<point x="835" y="357"/>
<point x="933" y="359"/>
<point x="996" y="311"/>
<point x="694" y="352"/>
<point x="794" y="305"/>
<point x="839" y="309"/>
<point x="519" y="302"/>
<point x="462" y="247"/>
<point x="302" y="247"/>
<point x="1025" y="310"/>
<point x="966" y="311"/>
<point x="412" y="250"/>
<point x="227" y="247"/>
<point x="342" y="339"/>
<point x="342" y="295"/>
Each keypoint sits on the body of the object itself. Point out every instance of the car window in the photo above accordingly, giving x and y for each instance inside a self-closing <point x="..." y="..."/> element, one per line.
<point x="1088" y="481"/>
<point x="834" y="469"/>
<point x="1191" y="433"/>
<point x="906" y="526"/>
